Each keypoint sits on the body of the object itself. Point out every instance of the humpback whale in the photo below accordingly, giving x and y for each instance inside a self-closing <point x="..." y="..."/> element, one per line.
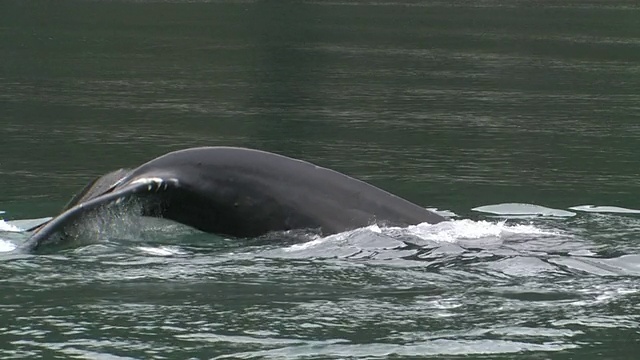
<point x="238" y="192"/>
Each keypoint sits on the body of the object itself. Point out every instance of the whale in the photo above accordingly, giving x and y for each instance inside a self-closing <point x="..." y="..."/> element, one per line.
<point x="236" y="192"/>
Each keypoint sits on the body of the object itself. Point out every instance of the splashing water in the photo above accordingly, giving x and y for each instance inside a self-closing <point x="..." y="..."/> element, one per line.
<point x="454" y="230"/>
<point x="444" y="232"/>
<point x="6" y="245"/>
<point x="4" y="226"/>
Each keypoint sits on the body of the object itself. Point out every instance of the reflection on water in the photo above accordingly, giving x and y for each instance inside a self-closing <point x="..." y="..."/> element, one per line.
<point x="451" y="104"/>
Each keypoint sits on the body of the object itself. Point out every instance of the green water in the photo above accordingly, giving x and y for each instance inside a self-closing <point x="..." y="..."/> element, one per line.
<point x="451" y="104"/>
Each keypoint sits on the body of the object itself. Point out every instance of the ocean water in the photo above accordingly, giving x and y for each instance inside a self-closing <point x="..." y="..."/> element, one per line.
<point x="518" y="120"/>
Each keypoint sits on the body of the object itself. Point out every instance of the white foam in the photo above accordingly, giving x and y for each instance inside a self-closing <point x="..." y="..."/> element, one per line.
<point x="4" y="226"/>
<point x="451" y="231"/>
<point x="443" y="232"/>
<point x="160" y="251"/>
<point x="22" y="225"/>
<point x="523" y="210"/>
<point x="6" y="246"/>
<point x="605" y="209"/>
<point x="445" y="213"/>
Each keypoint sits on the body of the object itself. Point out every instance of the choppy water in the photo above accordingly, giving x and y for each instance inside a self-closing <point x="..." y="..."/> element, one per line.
<point x="493" y="287"/>
<point x="459" y="105"/>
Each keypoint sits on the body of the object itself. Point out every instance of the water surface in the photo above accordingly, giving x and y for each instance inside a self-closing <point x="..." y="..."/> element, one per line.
<point x="451" y="104"/>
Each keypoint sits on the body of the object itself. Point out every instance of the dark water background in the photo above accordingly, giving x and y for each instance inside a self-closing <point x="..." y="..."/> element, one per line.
<point x="451" y="104"/>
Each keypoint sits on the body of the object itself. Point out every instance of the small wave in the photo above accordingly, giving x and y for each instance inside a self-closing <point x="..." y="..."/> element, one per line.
<point x="161" y="251"/>
<point x="523" y="210"/>
<point x="625" y="265"/>
<point x="369" y="231"/>
<point x="604" y="209"/>
<point x="431" y="347"/>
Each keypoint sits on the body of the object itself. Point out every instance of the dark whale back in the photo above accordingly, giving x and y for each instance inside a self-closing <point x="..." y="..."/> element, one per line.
<point x="258" y="191"/>
<point x="242" y="193"/>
